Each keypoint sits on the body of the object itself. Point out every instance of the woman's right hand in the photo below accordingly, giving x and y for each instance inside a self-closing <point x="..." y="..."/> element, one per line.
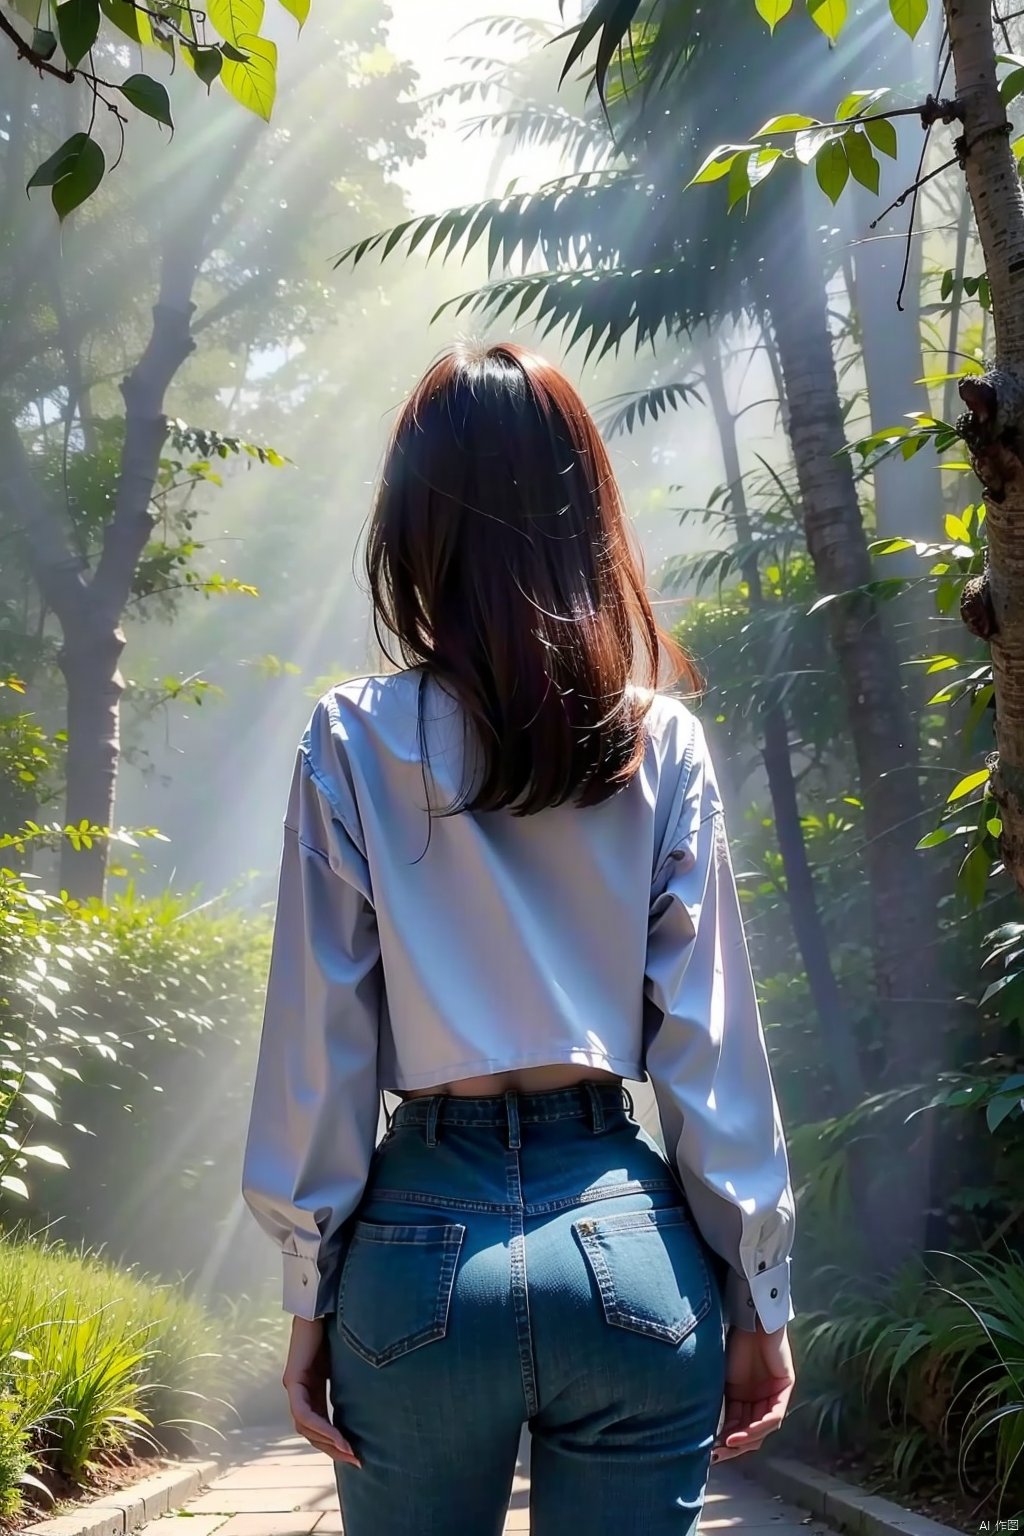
<point x="759" y="1381"/>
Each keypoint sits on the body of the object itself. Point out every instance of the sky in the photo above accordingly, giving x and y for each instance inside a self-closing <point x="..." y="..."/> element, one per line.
<point x="428" y="34"/>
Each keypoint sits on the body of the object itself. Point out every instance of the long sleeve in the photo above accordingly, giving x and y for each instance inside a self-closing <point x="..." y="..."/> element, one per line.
<point x="707" y="1061"/>
<point x="315" y="1103"/>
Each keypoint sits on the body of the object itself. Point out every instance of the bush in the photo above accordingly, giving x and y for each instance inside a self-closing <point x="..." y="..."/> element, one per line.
<point x="140" y="1018"/>
<point x="927" y="1367"/>
<point x="98" y="1362"/>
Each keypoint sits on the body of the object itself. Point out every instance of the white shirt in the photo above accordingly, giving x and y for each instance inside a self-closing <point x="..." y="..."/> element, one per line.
<point x="608" y="936"/>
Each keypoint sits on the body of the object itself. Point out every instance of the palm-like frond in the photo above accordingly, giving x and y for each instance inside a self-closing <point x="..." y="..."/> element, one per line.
<point x="598" y="306"/>
<point x="578" y="139"/>
<point x="621" y="413"/>
<point x="523" y="31"/>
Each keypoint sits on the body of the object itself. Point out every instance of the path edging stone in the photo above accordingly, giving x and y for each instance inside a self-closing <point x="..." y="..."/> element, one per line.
<point x="842" y="1505"/>
<point x="124" y="1510"/>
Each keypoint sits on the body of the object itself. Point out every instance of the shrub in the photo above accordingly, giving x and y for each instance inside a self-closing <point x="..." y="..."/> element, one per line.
<point x="96" y="1361"/>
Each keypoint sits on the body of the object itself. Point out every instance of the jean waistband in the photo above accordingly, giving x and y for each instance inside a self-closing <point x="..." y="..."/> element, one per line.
<point x="512" y="1110"/>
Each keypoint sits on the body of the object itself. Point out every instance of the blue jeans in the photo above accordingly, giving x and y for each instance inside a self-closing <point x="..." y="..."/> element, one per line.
<point x="524" y="1259"/>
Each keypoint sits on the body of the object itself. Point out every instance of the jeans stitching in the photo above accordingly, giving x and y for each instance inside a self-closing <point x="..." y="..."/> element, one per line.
<point x="518" y="1281"/>
<point x="535" y="1208"/>
<point x="614" y="1310"/>
<point x="451" y="1245"/>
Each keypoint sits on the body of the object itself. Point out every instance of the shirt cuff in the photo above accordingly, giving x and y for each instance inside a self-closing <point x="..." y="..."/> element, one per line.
<point x="764" y="1296"/>
<point x="303" y="1292"/>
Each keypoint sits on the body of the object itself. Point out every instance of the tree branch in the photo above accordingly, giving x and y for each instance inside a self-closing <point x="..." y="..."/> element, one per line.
<point x="25" y="51"/>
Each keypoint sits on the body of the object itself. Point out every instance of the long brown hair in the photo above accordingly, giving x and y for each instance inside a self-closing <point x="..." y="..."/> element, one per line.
<point x="500" y="559"/>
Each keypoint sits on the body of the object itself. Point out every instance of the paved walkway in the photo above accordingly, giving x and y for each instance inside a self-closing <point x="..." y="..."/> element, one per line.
<point x="276" y="1485"/>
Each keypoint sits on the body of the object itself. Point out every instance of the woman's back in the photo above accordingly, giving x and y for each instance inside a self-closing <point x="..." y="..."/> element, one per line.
<point x="507" y="942"/>
<point x="509" y="858"/>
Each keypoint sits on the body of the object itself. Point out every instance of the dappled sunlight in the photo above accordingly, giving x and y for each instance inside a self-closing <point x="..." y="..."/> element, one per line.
<point x="775" y="246"/>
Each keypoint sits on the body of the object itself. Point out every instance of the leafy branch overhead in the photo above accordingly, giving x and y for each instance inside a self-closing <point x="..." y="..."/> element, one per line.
<point x="77" y="42"/>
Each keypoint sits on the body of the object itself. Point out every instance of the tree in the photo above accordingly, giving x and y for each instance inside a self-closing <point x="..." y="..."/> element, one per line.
<point x="625" y="261"/>
<point x="221" y="42"/>
<point x="992" y="424"/>
<point x="89" y="557"/>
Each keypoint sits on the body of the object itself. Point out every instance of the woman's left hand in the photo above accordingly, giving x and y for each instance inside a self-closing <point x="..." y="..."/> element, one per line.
<point x="305" y="1379"/>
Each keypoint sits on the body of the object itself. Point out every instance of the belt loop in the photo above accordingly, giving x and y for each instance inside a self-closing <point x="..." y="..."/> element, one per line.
<point x="629" y="1099"/>
<point x="389" y="1117"/>
<point x="596" y="1108"/>
<point x="512" y="1111"/>
<point x="433" y="1114"/>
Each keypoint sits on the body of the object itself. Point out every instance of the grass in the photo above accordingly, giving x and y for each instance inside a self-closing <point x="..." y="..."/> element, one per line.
<point x="101" y="1364"/>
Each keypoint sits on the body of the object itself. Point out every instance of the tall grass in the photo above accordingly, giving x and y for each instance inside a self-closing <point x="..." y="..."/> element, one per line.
<point x="928" y="1367"/>
<point x="98" y="1362"/>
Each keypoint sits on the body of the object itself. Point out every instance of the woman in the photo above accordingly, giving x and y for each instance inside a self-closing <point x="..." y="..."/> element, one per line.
<point x="506" y="888"/>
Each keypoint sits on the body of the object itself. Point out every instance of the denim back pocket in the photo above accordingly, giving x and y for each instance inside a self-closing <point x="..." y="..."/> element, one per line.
<point x="649" y="1269"/>
<point x="396" y="1287"/>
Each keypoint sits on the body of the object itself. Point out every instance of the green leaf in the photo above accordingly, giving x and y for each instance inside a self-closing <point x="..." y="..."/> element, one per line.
<point x="809" y="144"/>
<point x="890" y="546"/>
<point x="133" y="22"/>
<point x="300" y="9"/>
<point x="719" y="163"/>
<point x="829" y="15"/>
<point x="771" y="11"/>
<point x="857" y="103"/>
<point x="832" y="168"/>
<point x="1011" y="86"/>
<point x="738" y="186"/>
<point x="47" y="1155"/>
<point x="148" y="96"/>
<point x="206" y="62"/>
<point x="973" y="875"/>
<point x="74" y="172"/>
<point x="44" y="43"/>
<point x="253" y="83"/>
<point x="998" y="1109"/>
<point x="883" y="136"/>
<point x="15" y="1185"/>
<point x="909" y="14"/>
<point x="40" y="1105"/>
<point x="235" y="19"/>
<point x="863" y="165"/>
<point x="78" y="23"/>
<point x="967" y="785"/>
<point x="789" y="122"/>
<point x="933" y="839"/>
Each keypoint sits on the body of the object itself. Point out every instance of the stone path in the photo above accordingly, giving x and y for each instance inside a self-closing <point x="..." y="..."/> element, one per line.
<point x="275" y="1484"/>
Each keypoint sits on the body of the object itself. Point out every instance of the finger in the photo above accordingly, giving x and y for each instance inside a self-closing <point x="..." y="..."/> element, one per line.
<point x="330" y="1448"/>
<point x="316" y="1428"/>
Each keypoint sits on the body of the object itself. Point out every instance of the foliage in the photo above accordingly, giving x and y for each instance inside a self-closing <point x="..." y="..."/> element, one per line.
<point x="937" y="1355"/>
<point x="99" y="1361"/>
<point x="222" y="42"/>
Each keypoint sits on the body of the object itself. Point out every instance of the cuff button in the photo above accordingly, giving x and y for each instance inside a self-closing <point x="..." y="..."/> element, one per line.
<point x="775" y="1294"/>
<point x="305" y="1279"/>
<point x="761" y="1266"/>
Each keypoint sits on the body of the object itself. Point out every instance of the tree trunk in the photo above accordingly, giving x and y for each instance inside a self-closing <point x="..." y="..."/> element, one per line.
<point x="994" y="426"/>
<point x="839" y="1049"/>
<point x="880" y="724"/>
<point x="89" y="662"/>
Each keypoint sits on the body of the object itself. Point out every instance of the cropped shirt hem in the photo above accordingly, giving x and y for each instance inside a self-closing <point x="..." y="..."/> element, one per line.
<point x="576" y="1057"/>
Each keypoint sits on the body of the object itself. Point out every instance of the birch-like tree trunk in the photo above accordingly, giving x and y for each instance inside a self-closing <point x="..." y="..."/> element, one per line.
<point x="880" y="723"/>
<point x="839" y="1047"/>
<point x="993" y="427"/>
